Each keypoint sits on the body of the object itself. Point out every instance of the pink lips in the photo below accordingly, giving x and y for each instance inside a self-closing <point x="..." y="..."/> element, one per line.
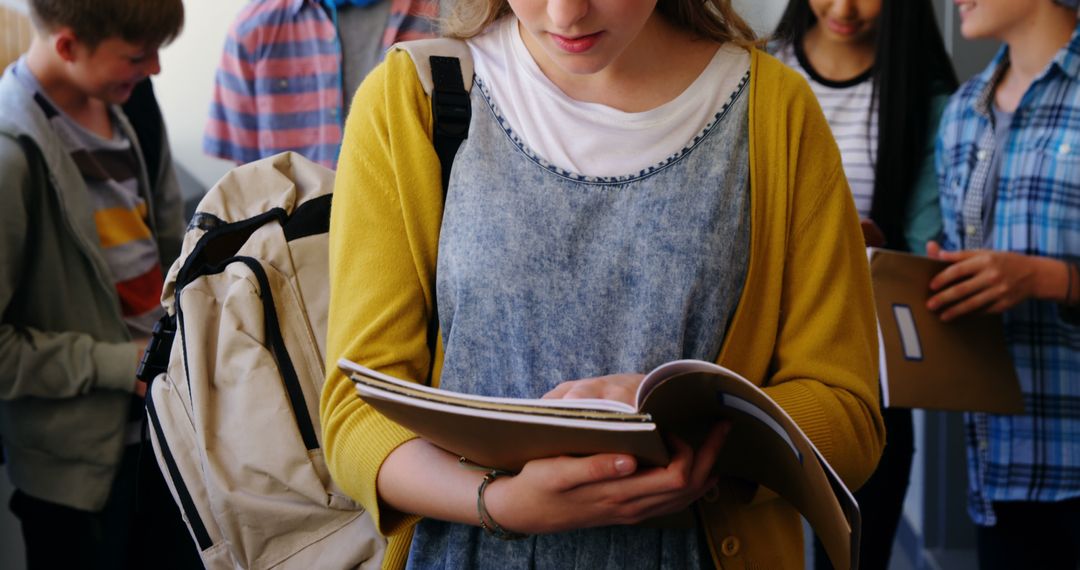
<point x="840" y="28"/>
<point x="579" y="44"/>
<point x="964" y="8"/>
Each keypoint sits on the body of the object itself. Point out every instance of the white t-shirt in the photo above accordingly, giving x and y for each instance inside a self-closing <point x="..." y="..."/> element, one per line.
<point x="847" y="108"/>
<point x="590" y="138"/>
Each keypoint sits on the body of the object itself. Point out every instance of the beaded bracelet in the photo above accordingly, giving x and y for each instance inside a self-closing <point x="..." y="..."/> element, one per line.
<point x="1070" y="268"/>
<point x="486" y="522"/>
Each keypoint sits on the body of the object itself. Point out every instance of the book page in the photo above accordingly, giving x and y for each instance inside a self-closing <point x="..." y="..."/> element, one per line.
<point x="531" y="416"/>
<point x="506" y="433"/>
<point x="708" y="380"/>
<point x="765" y="445"/>
<point x="571" y="404"/>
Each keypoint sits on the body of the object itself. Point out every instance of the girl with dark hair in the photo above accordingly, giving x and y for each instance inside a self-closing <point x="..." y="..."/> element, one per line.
<point x="882" y="76"/>
<point x="639" y="184"/>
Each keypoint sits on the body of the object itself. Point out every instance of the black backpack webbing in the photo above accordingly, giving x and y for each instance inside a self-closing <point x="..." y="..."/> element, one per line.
<point x="452" y="111"/>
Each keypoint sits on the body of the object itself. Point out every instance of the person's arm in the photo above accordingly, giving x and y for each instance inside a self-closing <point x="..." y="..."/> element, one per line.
<point x="995" y="281"/>
<point x="812" y="334"/>
<point x="825" y="358"/>
<point x="384" y="222"/>
<point x="35" y="363"/>
<point x="923" y="220"/>
<point x="551" y="495"/>
<point x="558" y="494"/>
<point x="232" y="129"/>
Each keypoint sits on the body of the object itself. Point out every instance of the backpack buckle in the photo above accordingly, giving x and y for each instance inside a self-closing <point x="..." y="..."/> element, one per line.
<point x="453" y="111"/>
<point x="155" y="359"/>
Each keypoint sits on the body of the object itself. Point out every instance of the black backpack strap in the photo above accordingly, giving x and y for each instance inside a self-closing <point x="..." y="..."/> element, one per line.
<point x="155" y="357"/>
<point x="144" y="114"/>
<point x="452" y="111"/>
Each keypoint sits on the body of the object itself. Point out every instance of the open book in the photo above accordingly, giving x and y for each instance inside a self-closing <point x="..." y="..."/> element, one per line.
<point x="684" y="397"/>
<point x="961" y="365"/>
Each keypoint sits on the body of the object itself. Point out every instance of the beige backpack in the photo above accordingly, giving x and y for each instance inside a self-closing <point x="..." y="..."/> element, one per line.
<point x="237" y="364"/>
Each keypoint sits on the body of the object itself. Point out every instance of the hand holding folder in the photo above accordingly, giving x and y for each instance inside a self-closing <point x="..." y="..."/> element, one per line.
<point x="961" y="365"/>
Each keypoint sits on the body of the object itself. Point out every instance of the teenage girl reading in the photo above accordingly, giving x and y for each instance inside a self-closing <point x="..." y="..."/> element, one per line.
<point x="639" y="185"/>
<point x="881" y="73"/>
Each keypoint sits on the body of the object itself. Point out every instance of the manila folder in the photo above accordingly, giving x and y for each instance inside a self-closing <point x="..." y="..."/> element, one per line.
<point x="960" y="365"/>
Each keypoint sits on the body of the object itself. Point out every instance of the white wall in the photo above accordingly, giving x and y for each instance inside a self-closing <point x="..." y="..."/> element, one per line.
<point x="761" y="14"/>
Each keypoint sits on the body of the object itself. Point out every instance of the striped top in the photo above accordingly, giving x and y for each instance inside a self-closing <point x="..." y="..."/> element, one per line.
<point x="1034" y="456"/>
<point x="111" y="170"/>
<point x="280" y="84"/>
<point x="848" y="107"/>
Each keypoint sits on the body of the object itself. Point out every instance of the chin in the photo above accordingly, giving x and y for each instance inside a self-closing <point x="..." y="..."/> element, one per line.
<point x="576" y="64"/>
<point x="973" y="32"/>
<point x="120" y="96"/>
<point x="581" y="66"/>
<point x="971" y="28"/>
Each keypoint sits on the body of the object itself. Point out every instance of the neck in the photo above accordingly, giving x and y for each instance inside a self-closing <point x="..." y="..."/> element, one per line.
<point x="837" y="61"/>
<point x="47" y="68"/>
<point x="1035" y="41"/>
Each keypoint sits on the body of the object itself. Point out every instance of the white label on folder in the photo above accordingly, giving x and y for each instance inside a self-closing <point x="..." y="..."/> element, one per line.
<point x="909" y="335"/>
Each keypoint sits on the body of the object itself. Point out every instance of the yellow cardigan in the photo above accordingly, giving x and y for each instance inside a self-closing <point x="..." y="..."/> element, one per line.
<point x="804" y="328"/>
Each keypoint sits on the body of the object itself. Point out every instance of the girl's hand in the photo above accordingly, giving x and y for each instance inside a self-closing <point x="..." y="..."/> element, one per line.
<point x="618" y="387"/>
<point x="566" y="493"/>
<point x="872" y="234"/>
<point x="984" y="279"/>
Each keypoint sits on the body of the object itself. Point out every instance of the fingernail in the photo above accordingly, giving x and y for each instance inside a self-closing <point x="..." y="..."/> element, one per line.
<point x="624" y="465"/>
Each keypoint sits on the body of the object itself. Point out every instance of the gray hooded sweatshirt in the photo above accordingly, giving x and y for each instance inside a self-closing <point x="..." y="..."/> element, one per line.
<point x="67" y="366"/>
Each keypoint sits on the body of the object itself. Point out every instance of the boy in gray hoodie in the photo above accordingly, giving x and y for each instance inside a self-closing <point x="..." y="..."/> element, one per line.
<point x="85" y="232"/>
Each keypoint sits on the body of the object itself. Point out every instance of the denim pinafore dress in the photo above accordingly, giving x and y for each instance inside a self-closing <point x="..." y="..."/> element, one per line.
<point x="546" y="275"/>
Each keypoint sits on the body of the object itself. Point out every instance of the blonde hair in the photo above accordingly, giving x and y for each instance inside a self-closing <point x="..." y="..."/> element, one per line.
<point x="711" y="19"/>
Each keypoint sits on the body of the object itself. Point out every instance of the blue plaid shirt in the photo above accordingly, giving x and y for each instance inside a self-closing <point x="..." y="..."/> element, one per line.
<point x="1035" y="456"/>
